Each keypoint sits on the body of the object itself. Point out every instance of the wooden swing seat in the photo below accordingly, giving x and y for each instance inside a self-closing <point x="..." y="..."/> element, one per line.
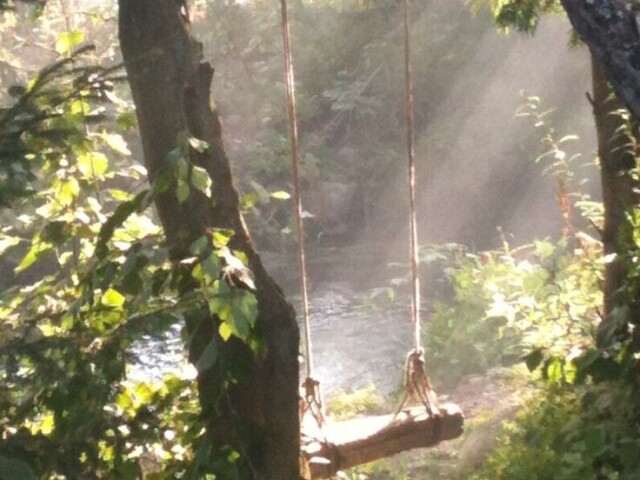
<point x="341" y="445"/>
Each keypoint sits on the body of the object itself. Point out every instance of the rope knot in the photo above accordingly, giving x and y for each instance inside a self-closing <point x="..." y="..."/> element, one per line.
<point x="418" y="383"/>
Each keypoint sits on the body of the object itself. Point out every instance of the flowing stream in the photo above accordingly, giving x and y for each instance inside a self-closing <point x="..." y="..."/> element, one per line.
<point x="357" y="341"/>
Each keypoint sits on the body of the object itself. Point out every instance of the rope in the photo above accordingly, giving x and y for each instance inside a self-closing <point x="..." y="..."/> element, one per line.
<point x="417" y="382"/>
<point x="295" y="161"/>
<point x="413" y="229"/>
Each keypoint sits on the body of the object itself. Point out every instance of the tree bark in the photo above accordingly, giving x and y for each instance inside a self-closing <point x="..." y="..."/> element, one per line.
<point x="170" y="85"/>
<point x="611" y="30"/>
<point x="617" y="153"/>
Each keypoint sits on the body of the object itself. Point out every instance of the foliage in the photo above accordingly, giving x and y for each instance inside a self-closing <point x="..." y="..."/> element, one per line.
<point x="343" y="100"/>
<point x="85" y="280"/>
<point x="344" y="405"/>
<point x="524" y="15"/>
<point x="497" y="306"/>
<point x="35" y="132"/>
<point x="11" y="4"/>
<point x="508" y="302"/>
<point x="531" y="449"/>
<point x="585" y="425"/>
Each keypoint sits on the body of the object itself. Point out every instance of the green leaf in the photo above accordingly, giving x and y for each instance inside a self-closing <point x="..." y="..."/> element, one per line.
<point x="182" y="168"/>
<point x="208" y="357"/>
<point x="199" y="246"/>
<point x="92" y="164"/>
<point x="611" y="328"/>
<point x="221" y="237"/>
<point x="182" y="191"/>
<point x="68" y="191"/>
<point x="127" y="120"/>
<point x="56" y="232"/>
<point x="280" y="195"/>
<point x="47" y="424"/>
<point x="37" y="250"/>
<point x="14" y="469"/>
<point x="238" y="313"/>
<point x="112" y="298"/>
<point x="198" y="145"/>
<point x="595" y="441"/>
<point x="225" y="331"/>
<point x="202" y="458"/>
<point x="605" y="369"/>
<point x="119" y="216"/>
<point x="67" y="41"/>
<point x="249" y="308"/>
<point x="587" y="359"/>
<point x="120" y="195"/>
<point x="553" y="370"/>
<point x="117" y="143"/>
<point x="201" y="180"/>
<point x="211" y="268"/>
<point x="8" y="242"/>
<point x="533" y="359"/>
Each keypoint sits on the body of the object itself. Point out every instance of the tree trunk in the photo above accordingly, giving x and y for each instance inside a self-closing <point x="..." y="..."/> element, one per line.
<point x="171" y="89"/>
<point x="617" y="153"/>
<point x="611" y="30"/>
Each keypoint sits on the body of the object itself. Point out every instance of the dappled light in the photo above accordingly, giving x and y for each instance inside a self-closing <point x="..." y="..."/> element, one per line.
<point x="213" y="263"/>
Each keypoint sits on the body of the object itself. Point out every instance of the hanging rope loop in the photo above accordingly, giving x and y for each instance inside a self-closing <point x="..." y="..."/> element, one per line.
<point x="413" y="228"/>
<point x="417" y="383"/>
<point x="295" y="162"/>
<point x="312" y="401"/>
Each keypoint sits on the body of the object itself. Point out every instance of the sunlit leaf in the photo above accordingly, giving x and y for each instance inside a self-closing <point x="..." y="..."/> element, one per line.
<point x="198" y="145"/>
<point x="201" y="180"/>
<point x="117" y="143"/>
<point x="221" y="237"/>
<point x="119" y="216"/>
<point x="120" y="195"/>
<point x="553" y="370"/>
<point x="45" y="425"/>
<point x="37" y="250"/>
<point x="93" y="164"/>
<point x="138" y="226"/>
<point x="68" y="191"/>
<point x="280" y="195"/>
<point x="67" y="41"/>
<point x="80" y="106"/>
<point x="112" y="298"/>
<point x="544" y="249"/>
<point x="225" y="331"/>
<point x="8" y="242"/>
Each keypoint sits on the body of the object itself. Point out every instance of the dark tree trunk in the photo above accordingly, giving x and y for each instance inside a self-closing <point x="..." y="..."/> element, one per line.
<point x="617" y="153"/>
<point x="611" y="30"/>
<point x="171" y="89"/>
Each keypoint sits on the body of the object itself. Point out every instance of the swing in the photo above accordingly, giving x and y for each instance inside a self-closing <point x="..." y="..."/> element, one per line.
<point x="328" y="447"/>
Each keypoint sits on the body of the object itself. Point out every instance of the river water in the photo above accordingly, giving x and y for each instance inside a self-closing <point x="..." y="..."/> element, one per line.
<point x="360" y="335"/>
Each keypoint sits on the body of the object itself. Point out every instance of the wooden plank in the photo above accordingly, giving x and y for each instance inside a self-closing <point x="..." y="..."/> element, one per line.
<point x="341" y="445"/>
